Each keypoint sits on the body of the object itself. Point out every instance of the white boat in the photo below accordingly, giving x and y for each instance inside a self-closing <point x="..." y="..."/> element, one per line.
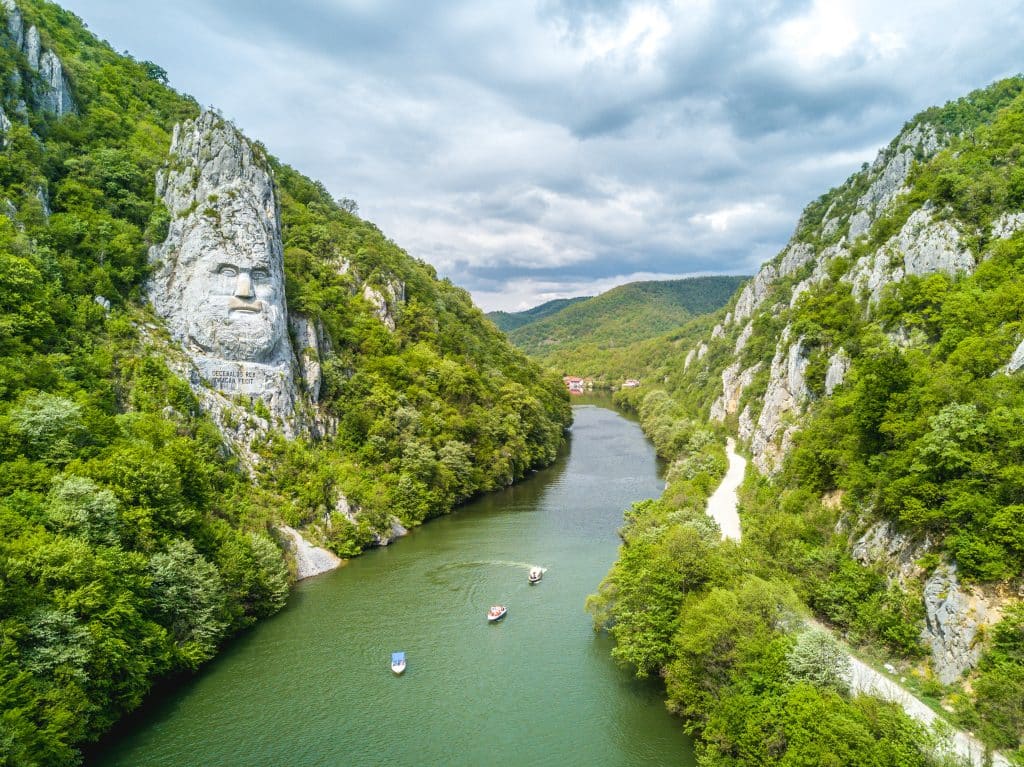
<point x="496" y="613"/>
<point x="398" y="662"/>
<point x="536" y="574"/>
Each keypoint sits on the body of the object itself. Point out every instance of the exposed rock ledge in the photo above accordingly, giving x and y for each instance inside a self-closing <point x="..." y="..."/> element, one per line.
<point x="310" y="560"/>
<point x="954" y="619"/>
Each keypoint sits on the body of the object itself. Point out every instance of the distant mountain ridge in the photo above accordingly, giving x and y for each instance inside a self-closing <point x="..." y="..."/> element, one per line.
<point x="507" y="321"/>
<point x="623" y="315"/>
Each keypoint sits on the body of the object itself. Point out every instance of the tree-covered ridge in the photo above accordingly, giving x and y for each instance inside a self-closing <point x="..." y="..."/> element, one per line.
<point x="919" y="439"/>
<point x="507" y="321"/>
<point x="621" y="316"/>
<point x="131" y="541"/>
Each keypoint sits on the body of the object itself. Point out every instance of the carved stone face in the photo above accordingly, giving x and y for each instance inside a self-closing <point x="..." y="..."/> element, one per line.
<point x="232" y="298"/>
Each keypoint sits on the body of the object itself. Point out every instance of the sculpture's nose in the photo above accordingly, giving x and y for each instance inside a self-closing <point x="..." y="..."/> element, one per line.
<point x="243" y="288"/>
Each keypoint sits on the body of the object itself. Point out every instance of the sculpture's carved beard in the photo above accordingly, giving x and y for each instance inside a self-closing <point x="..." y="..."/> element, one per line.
<point x="244" y="333"/>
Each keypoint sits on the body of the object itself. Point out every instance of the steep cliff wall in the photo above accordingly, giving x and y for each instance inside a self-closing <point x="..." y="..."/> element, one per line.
<point x="864" y="278"/>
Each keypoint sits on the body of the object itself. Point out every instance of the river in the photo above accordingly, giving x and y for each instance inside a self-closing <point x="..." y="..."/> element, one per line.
<point x="312" y="685"/>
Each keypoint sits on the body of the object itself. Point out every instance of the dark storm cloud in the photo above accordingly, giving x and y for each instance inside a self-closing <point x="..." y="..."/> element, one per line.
<point x="538" y="149"/>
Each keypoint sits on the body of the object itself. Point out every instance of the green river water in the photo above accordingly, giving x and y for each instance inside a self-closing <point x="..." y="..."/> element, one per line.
<point x="312" y="685"/>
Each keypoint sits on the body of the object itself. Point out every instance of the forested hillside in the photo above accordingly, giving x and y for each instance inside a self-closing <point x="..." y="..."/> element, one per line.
<point x="619" y="317"/>
<point x="871" y="373"/>
<point x="134" y="538"/>
<point x="507" y="321"/>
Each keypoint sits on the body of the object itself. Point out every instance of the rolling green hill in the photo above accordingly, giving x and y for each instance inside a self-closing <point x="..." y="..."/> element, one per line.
<point x="622" y="316"/>
<point x="507" y="321"/>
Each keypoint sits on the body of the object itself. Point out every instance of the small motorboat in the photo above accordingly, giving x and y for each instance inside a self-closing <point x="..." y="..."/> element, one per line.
<point x="536" y="574"/>
<point x="398" y="662"/>
<point x="496" y="613"/>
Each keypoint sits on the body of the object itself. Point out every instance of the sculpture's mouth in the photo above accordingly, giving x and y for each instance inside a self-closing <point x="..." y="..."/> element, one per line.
<point x="236" y="304"/>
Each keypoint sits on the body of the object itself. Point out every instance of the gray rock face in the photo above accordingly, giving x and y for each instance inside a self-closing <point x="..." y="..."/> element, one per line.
<point x="33" y="47"/>
<point x="932" y="246"/>
<point x="754" y="293"/>
<point x="5" y="125"/>
<point x="923" y="246"/>
<point x="396" y="531"/>
<point x="882" y="543"/>
<point x="953" y="617"/>
<point x="744" y="336"/>
<point x="689" y="358"/>
<point x="890" y="171"/>
<point x="44" y="202"/>
<point x="860" y="222"/>
<point x="310" y="560"/>
<point x="733" y="384"/>
<point x="309" y="339"/>
<point x="54" y="95"/>
<point x="794" y="258"/>
<point x="1007" y="225"/>
<point x="783" y="400"/>
<point x="15" y="24"/>
<point x="746" y="425"/>
<point x="219" y="278"/>
<point x="386" y="301"/>
<point x="838" y="367"/>
<point x="1017" y="360"/>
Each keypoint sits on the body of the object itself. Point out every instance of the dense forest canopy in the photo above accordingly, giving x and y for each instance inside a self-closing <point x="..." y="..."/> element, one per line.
<point x="132" y="540"/>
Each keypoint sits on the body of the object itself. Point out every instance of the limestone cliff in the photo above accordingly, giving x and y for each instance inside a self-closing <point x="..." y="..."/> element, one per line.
<point x="218" y="279"/>
<point x="52" y="93"/>
<point x="774" y="357"/>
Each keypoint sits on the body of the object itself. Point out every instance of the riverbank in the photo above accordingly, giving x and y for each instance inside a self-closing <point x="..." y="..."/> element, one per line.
<point x="313" y="685"/>
<point x="723" y="507"/>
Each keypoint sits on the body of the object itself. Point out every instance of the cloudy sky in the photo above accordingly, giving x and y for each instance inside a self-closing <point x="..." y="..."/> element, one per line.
<point x="538" y="149"/>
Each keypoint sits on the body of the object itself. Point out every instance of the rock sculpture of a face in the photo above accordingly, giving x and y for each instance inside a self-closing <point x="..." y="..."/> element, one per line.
<point x="219" y="276"/>
<point x="232" y="284"/>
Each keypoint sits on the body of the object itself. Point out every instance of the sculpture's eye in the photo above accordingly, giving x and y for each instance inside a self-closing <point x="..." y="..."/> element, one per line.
<point x="260" y="274"/>
<point x="227" y="271"/>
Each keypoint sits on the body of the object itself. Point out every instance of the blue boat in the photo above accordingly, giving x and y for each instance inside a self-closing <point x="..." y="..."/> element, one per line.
<point x="398" y="662"/>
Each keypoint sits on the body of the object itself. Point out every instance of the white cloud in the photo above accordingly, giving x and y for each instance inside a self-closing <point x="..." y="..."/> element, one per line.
<point x="571" y="142"/>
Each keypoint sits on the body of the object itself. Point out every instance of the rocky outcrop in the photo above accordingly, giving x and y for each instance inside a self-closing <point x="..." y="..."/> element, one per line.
<point x="309" y="560"/>
<point x="744" y="336"/>
<point x="838" y="367"/>
<point x="922" y="246"/>
<point x="1017" y="360"/>
<point x="1007" y="225"/>
<point x="689" y="358"/>
<point x="396" y="531"/>
<point x="783" y="401"/>
<point x="883" y="544"/>
<point x="308" y="337"/>
<point x="746" y="424"/>
<point x="932" y="246"/>
<point x="54" y="92"/>
<point x="386" y="301"/>
<point x="754" y="293"/>
<point x="733" y="384"/>
<point x="219" y="276"/>
<point x="954" y="618"/>
<point x="889" y="171"/>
